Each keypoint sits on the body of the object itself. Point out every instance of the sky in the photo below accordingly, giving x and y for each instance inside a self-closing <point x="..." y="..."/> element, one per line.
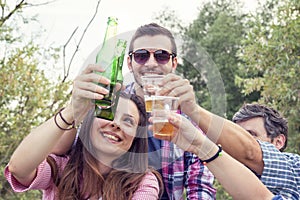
<point x="61" y="17"/>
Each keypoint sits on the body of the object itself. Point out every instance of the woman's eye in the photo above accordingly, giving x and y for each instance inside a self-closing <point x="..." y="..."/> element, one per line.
<point x="129" y="120"/>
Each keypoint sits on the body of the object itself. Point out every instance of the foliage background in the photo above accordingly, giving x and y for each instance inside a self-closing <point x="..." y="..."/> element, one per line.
<point x="28" y="96"/>
<point x="256" y="54"/>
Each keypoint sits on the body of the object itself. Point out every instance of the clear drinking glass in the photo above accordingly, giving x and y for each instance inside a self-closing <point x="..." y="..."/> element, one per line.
<point x="161" y="108"/>
<point x="151" y="87"/>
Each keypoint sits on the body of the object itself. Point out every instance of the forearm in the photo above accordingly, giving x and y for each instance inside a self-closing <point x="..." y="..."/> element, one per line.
<point x="65" y="142"/>
<point x="36" y="146"/>
<point x="238" y="180"/>
<point x="234" y="139"/>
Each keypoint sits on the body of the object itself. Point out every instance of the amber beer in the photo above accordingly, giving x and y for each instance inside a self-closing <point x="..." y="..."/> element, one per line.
<point x="155" y="102"/>
<point x="163" y="128"/>
<point x="149" y="103"/>
<point x="162" y="106"/>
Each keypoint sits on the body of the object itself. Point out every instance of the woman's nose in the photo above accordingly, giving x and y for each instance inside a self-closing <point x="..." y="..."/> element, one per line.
<point x="114" y="125"/>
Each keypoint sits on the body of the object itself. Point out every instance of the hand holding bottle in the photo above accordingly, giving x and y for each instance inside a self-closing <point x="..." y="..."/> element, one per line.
<point x="110" y="56"/>
<point x="87" y="87"/>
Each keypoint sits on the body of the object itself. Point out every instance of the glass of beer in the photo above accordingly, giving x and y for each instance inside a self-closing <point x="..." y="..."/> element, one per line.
<point x="151" y="87"/>
<point x="162" y="106"/>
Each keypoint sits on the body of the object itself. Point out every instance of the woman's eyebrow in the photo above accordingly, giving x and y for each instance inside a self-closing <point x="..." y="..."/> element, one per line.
<point x="131" y="116"/>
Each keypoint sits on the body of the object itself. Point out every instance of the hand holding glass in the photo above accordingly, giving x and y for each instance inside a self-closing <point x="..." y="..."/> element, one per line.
<point x="162" y="106"/>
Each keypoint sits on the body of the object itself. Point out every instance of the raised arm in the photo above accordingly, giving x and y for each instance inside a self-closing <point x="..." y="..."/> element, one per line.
<point x="65" y="142"/>
<point x="237" y="180"/>
<point x="235" y="140"/>
<point x="36" y="146"/>
<point x="41" y="141"/>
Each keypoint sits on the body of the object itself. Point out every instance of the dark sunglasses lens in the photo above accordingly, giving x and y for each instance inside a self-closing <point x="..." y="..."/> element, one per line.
<point x="141" y="56"/>
<point x="162" y="56"/>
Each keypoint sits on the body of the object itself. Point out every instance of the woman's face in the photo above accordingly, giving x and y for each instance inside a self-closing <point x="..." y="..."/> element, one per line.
<point x="111" y="139"/>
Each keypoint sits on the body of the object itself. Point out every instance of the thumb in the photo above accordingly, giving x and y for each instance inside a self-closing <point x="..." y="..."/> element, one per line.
<point x="176" y="120"/>
<point x="120" y="87"/>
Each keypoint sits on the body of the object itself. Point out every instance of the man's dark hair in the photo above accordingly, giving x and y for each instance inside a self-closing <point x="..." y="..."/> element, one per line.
<point x="153" y="29"/>
<point x="274" y="123"/>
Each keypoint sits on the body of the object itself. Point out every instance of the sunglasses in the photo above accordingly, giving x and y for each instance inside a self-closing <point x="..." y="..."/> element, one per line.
<point x="141" y="56"/>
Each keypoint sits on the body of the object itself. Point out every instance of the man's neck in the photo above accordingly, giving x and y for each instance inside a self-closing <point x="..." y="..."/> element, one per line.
<point x="138" y="90"/>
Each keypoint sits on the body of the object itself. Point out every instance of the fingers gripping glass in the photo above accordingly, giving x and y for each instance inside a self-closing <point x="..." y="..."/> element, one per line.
<point x="141" y="56"/>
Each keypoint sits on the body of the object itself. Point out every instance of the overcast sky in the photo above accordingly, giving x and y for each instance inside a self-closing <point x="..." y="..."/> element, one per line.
<point x="61" y="17"/>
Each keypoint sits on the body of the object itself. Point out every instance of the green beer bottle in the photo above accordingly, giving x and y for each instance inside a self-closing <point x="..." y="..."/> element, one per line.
<point x="119" y="55"/>
<point x="106" y="53"/>
<point x="121" y="46"/>
<point x="108" y="57"/>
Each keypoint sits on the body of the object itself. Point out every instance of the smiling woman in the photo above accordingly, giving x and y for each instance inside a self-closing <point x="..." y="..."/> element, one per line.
<point x="109" y="160"/>
<point x="117" y="139"/>
<point x="117" y="148"/>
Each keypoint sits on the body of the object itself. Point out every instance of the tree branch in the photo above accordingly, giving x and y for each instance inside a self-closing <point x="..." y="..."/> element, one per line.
<point x="64" y="52"/>
<point x="40" y="4"/>
<point x="77" y="46"/>
<point x="17" y="7"/>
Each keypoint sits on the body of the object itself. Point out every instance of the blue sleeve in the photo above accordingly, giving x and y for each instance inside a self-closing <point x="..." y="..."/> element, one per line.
<point x="281" y="173"/>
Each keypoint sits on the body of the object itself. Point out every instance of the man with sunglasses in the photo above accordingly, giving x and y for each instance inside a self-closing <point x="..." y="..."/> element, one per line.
<point x="152" y="50"/>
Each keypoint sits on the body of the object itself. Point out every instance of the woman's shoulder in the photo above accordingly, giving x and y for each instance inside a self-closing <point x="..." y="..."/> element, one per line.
<point x="151" y="176"/>
<point x="148" y="187"/>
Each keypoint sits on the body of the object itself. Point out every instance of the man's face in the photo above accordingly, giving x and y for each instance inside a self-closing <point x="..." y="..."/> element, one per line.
<point x="256" y="128"/>
<point x="151" y="66"/>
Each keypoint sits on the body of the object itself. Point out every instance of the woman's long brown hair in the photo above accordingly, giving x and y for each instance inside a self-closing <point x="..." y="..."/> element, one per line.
<point x="81" y="178"/>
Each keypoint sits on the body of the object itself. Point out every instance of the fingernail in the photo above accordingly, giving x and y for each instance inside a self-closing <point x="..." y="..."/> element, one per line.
<point x="171" y="119"/>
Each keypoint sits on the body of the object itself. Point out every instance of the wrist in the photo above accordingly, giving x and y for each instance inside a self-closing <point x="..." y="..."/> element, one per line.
<point x="67" y="113"/>
<point x="64" y="119"/>
<point x="211" y="158"/>
<point x="207" y="150"/>
<point x="194" y="114"/>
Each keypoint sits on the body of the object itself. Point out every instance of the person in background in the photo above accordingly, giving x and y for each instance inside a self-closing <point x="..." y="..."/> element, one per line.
<point x="280" y="172"/>
<point x="263" y="123"/>
<point x="108" y="161"/>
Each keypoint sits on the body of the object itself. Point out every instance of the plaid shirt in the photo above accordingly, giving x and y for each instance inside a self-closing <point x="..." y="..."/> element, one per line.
<point x="181" y="169"/>
<point x="281" y="172"/>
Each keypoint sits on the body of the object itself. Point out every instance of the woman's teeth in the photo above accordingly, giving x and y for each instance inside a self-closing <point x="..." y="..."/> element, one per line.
<point x="112" y="137"/>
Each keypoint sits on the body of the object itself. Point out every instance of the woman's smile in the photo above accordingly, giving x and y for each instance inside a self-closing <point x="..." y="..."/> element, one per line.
<point x="111" y="137"/>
